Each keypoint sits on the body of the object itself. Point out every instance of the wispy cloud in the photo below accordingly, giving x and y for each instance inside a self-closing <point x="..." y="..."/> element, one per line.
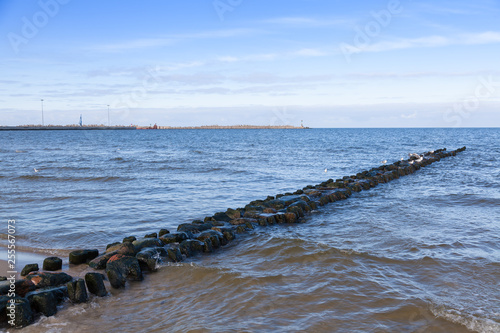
<point x="309" y="21"/>
<point x="161" y="41"/>
<point x="489" y="37"/>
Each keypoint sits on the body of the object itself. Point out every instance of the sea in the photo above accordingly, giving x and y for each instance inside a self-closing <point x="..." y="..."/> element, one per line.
<point x="418" y="254"/>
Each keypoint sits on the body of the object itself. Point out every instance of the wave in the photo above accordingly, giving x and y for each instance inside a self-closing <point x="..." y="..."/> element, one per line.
<point x="470" y="321"/>
<point x="102" y="179"/>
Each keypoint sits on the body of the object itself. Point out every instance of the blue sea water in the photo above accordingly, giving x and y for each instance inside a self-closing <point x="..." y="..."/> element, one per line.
<point x="417" y="254"/>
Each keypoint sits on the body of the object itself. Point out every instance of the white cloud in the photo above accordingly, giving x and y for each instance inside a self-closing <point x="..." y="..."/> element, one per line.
<point x="310" y="53"/>
<point x="489" y="37"/>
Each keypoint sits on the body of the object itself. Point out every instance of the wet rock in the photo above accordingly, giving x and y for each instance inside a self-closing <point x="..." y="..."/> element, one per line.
<point x="152" y="235"/>
<point x="215" y="237"/>
<point x="95" y="284"/>
<point x="175" y="237"/>
<point x="146" y="242"/>
<point x="290" y="218"/>
<point x="112" y="245"/>
<point x="3" y="278"/>
<point x="241" y="229"/>
<point x="296" y="210"/>
<point x="129" y="239"/>
<point x="280" y="218"/>
<point x="163" y="232"/>
<point x="23" y="315"/>
<point x="242" y="221"/>
<point x="174" y="252"/>
<point x="227" y="233"/>
<point x="271" y="220"/>
<point x="29" y="268"/>
<point x="121" y="269"/>
<point x="46" y="279"/>
<point x="46" y="301"/>
<point x="77" y="292"/>
<point x="313" y="205"/>
<point x="82" y="256"/>
<point x="207" y="245"/>
<point x="233" y="214"/>
<point x="150" y="257"/>
<point x="123" y="248"/>
<point x="194" y="228"/>
<point x="191" y="246"/>
<point x="221" y="217"/>
<point x="52" y="264"/>
<point x="22" y="287"/>
<point x="262" y="222"/>
<point x="100" y="261"/>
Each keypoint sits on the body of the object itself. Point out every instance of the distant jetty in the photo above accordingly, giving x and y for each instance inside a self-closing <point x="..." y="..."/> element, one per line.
<point x="235" y="127"/>
<point x="135" y="127"/>
<point x="64" y="128"/>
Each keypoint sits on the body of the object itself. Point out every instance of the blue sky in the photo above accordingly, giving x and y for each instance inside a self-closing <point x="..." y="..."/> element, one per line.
<point x="395" y="63"/>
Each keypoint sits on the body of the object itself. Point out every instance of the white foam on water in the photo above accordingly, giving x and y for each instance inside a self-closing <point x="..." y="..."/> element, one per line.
<point x="470" y="321"/>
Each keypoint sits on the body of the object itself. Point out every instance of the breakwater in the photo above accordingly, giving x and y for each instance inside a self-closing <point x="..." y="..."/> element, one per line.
<point x="214" y="231"/>
<point x="65" y="128"/>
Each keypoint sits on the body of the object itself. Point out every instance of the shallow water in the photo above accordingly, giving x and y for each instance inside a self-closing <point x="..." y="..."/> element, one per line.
<point x="418" y="254"/>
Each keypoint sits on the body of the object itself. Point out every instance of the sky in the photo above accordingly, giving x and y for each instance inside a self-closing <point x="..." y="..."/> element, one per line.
<point x="328" y="63"/>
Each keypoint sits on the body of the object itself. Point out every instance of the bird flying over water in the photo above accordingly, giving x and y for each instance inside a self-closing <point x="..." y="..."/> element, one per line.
<point x="384" y="162"/>
<point x="36" y="170"/>
<point x="326" y="170"/>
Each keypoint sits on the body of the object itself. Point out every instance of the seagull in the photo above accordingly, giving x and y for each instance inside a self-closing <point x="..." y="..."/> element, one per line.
<point x="326" y="170"/>
<point x="384" y="161"/>
<point x="402" y="159"/>
<point x="36" y="170"/>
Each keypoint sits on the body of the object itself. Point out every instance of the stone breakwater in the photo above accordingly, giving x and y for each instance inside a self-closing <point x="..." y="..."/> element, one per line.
<point x="41" y="291"/>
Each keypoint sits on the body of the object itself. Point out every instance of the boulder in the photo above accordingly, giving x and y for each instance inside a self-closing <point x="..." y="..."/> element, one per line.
<point x="214" y="236"/>
<point x="290" y="218"/>
<point x="221" y="216"/>
<point x="152" y="235"/>
<point x="146" y="242"/>
<point x="242" y="221"/>
<point x="163" y="232"/>
<point x="174" y="252"/>
<point x="123" y="248"/>
<point x="22" y="287"/>
<point x="175" y="237"/>
<point x="100" y="261"/>
<point x="77" y="292"/>
<point x="194" y="228"/>
<point x="149" y="257"/>
<point x="46" y="279"/>
<point x="95" y="284"/>
<point x="52" y="264"/>
<point x="46" y="301"/>
<point x="122" y="268"/>
<point x="82" y="256"/>
<point x="23" y="315"/>
<point x="233" y="214"/>
<point x="111" y="245"/>
<point x="129" y="239"/>
<point x="29" y="268"/>
<point x="191" y="246"/>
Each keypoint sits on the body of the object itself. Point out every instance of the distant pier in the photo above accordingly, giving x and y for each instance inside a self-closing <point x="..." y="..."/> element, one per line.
<point x="65" y="128"/>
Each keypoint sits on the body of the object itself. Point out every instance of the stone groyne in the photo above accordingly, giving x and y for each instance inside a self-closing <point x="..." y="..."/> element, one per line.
<point x="22" y="300"/>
